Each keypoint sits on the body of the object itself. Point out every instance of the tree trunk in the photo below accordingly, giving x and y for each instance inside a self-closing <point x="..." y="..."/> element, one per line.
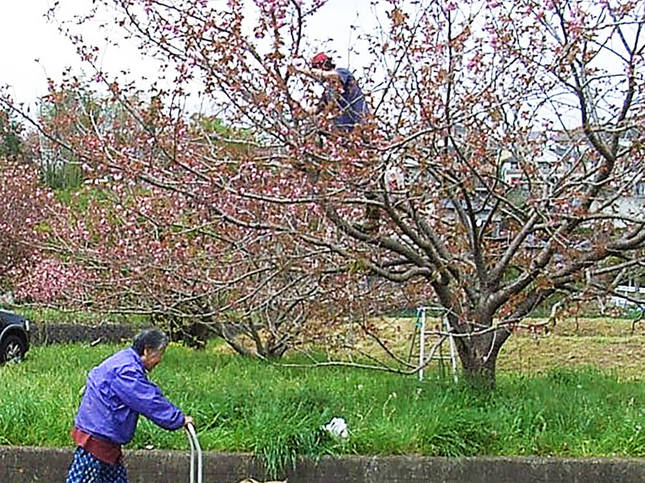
<point x="478" y="355"/>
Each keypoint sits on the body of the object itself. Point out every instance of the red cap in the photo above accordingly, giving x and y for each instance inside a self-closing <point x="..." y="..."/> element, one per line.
<point x="319" y="60"/>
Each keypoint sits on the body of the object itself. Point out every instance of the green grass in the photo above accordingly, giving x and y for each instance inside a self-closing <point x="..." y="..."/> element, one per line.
<point x="242" y="405"/>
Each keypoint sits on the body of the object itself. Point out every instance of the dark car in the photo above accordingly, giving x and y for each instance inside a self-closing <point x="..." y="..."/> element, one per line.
<point x="14" y="336"/>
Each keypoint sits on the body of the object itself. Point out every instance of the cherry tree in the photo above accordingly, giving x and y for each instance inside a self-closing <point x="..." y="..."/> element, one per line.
<point x="501" y="162"/>
<point x="24" y="205"/>
<point x="140" y="245"/>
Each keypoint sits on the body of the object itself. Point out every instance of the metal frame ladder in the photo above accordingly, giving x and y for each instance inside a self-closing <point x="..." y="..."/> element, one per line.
<point x="420" y="327"/>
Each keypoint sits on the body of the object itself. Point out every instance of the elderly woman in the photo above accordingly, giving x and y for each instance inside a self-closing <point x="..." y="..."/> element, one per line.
<point x="116" y="392"/>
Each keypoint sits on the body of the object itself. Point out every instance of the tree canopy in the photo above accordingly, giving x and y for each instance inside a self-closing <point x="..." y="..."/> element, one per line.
<point x="500" y="160"/>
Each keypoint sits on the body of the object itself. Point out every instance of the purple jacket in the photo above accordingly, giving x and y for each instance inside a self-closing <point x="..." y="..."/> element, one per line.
<point x="116" y="392"/>
<point x="350" y="100"/>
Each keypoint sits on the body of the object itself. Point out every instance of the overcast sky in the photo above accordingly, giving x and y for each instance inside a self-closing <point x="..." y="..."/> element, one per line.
<point x="27" y="36"/>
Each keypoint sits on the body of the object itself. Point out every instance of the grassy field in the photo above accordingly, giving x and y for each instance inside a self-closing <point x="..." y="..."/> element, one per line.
<point x="568" y="395"/>
<point x="606" y="344"/>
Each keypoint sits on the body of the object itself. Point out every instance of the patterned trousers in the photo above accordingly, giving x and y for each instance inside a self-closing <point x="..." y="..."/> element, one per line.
<point x="85" y="468"/>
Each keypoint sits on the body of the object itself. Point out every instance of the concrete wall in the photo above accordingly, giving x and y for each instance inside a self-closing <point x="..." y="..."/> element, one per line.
<point x="18" y="464"/>
<point x="55" y="333"/>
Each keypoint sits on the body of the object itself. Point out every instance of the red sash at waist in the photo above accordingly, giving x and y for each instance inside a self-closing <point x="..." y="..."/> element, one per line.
<point x="106" y="451"/>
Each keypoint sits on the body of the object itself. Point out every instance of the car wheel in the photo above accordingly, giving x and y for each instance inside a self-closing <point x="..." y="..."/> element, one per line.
<point x="13" y="348"/>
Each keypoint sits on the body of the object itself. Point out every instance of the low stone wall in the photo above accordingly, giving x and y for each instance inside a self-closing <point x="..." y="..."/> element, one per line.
<point x="20" y="464"/>
<point x="55" y="333"/>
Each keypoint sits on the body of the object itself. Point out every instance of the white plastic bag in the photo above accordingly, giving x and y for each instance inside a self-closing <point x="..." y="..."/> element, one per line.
<point x="337" y="428"/>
